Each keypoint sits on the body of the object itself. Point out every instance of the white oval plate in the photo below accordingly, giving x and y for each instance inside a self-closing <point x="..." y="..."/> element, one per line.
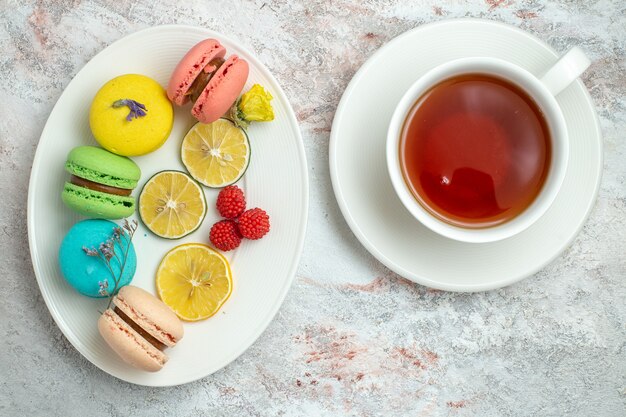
<point x="263" y="270"/>
<point x="364" y="191"/>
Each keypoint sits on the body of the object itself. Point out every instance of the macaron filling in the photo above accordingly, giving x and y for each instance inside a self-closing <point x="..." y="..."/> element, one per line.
<point x="108" y="189"/>
<point x="140" y="330"/>
<point x="203" y="78"/>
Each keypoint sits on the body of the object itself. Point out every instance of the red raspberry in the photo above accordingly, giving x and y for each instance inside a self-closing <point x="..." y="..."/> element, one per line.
<point x="254" y="223"/>
<point x="225" y="235"/>
<point x="231" y="202"/>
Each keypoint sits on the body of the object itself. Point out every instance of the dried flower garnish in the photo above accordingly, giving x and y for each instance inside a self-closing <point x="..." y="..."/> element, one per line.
<point x="106" y="252"/>
<point x="104" y="286"/>
<point x="137" y="109"/>
<point x="253" y="106"/>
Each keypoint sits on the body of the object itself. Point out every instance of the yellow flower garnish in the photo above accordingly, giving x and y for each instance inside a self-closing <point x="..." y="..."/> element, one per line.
<point x="255" y="105"/>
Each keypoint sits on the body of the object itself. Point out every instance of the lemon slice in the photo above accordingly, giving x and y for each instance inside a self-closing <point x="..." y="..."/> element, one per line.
<point x="194" y="280"/>
<point x="216" y="154"/>
<point x="172" y="205"/>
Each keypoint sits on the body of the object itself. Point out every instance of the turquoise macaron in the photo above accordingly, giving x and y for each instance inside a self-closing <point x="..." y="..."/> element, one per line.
<point x="101" y="183"/>
<point x="86" y="273"/>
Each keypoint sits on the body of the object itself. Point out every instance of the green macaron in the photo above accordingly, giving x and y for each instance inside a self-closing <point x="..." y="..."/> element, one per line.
<point x="101" y="183"/>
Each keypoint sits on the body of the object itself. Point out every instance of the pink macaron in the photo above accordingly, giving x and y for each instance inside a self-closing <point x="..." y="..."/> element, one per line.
<point x="211" y="82"/>
<point x="138" y="327"/>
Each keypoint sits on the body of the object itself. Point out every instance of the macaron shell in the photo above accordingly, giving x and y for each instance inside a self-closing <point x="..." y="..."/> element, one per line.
<point x="101" y="166"/>
<point x="83" y="272"/>
<point x="222" y="90"/>
<point x="128" y="344"/>
<point x="190" y="66"/>
<point x="96" y="204"/>
<point x="150" y="313"/>
<point x="137" y="136"/>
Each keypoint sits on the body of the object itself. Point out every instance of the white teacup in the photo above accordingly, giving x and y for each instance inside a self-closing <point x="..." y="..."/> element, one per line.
<point x="542" y="89"/>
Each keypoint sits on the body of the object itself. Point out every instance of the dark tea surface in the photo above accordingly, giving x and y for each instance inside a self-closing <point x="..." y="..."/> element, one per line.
<point x="475" y="150"/>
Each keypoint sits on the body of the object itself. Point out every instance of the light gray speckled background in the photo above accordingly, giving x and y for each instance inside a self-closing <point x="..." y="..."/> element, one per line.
<point x="352" y="338"/>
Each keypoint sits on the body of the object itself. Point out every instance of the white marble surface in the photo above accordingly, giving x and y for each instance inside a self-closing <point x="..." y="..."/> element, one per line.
<point x="352" y="338"/>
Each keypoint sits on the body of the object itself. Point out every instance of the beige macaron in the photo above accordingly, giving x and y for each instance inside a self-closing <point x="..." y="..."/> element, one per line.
<point x="138" y="327"/>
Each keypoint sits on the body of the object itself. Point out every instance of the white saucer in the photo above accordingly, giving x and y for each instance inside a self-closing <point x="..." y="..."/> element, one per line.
<point x="364" y="191"/>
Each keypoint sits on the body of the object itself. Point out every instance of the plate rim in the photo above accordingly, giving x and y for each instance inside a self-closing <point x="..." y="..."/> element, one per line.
<point x="34" y="173"/>
<point x="354" y="226"/>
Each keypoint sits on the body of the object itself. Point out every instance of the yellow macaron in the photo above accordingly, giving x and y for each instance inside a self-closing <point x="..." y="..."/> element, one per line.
<point x="131" y="115"/>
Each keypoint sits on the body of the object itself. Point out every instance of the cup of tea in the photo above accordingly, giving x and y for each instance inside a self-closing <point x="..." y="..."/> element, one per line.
<point x="477" y="148"/>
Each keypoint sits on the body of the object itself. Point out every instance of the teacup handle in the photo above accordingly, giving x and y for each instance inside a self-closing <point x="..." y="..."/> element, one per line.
<point x="569" y="67"/>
